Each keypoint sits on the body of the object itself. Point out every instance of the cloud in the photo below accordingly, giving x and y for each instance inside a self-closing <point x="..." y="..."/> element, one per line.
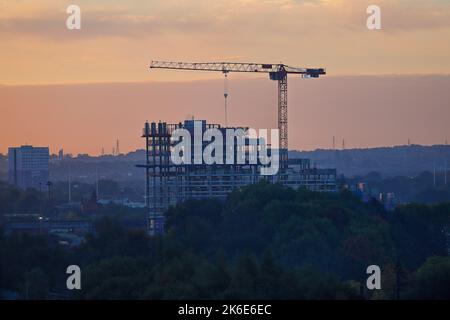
<point x="416" y="15"/>
<point x="96" y="25"/>
<point x="222" y="18"/>
<point x="118" y="38"/>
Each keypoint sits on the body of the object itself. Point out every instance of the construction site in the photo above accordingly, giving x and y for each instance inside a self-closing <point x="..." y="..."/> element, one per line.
<point x="168" y="183"/>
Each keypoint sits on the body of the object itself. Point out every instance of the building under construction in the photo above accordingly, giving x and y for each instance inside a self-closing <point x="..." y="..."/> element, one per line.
<point x="168" y="183"/>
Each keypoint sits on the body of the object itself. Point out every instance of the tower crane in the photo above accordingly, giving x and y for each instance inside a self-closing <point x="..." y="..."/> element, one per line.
<point x="277" y="72"/>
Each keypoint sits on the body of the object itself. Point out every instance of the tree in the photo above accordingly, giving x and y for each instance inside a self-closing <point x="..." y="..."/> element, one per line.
<point x="36" y="285"/>
<point x="432" y="280"/>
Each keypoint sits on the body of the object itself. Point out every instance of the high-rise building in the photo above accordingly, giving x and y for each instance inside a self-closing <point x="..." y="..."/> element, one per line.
<point x="168" y="183"/>
<point x="28" y="166"/>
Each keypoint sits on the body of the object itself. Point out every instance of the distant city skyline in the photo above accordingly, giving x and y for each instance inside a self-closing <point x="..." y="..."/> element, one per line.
<point x="75" y="155"/>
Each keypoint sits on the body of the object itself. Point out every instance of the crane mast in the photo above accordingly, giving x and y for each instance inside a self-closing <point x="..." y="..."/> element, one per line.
<point x="277" y="72"/>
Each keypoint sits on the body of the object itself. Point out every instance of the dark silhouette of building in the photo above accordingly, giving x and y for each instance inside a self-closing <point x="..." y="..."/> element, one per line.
<point x="28" y="167"/>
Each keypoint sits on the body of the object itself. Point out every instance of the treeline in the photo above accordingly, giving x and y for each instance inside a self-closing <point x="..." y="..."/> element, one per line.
<point x="389" y="161"/>
<point x="422" y="188"/>
<point x="31" y="201"/>
<point x="265" y="241"/>
<point x="15" y="200"/>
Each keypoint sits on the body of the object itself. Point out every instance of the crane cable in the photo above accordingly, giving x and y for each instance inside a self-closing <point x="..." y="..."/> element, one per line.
<point x="225" y="94"/>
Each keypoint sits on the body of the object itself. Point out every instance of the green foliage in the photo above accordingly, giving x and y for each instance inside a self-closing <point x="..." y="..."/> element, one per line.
<point x="264" y="242"/>
<point x="24" y="259"/>
<point x="331" y="232"/>
<point x="36" y="286"/>
<point x="419" y="232"/>
<point x="432" y="280"/>
<point x="13" y="200"/>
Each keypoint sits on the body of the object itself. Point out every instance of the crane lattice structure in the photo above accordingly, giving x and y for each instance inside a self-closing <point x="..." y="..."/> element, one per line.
<point x="277" y="72"/>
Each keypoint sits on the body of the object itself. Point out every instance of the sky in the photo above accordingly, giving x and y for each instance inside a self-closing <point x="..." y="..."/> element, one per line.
<point x="81" y="89"/>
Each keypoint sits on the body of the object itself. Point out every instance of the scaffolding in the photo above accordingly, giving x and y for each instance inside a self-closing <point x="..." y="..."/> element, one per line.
<point x="168" y="184"/>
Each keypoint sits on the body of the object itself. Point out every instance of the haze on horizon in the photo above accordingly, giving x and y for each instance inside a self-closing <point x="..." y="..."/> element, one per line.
<point x="47" y="73"/>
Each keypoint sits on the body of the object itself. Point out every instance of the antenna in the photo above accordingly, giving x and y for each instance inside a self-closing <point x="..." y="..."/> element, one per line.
<point x="334" y="143"/>
<point x="117" y="147"/>
<point x="343" y="144"/>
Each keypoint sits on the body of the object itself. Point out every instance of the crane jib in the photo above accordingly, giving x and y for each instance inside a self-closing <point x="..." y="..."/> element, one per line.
<point x="277" y="72"/>
<point x="227" y="67"/>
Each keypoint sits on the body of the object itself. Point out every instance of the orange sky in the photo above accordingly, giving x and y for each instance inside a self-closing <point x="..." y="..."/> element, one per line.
<point x="366" y="111"/>
<point x="118" y="39"/>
